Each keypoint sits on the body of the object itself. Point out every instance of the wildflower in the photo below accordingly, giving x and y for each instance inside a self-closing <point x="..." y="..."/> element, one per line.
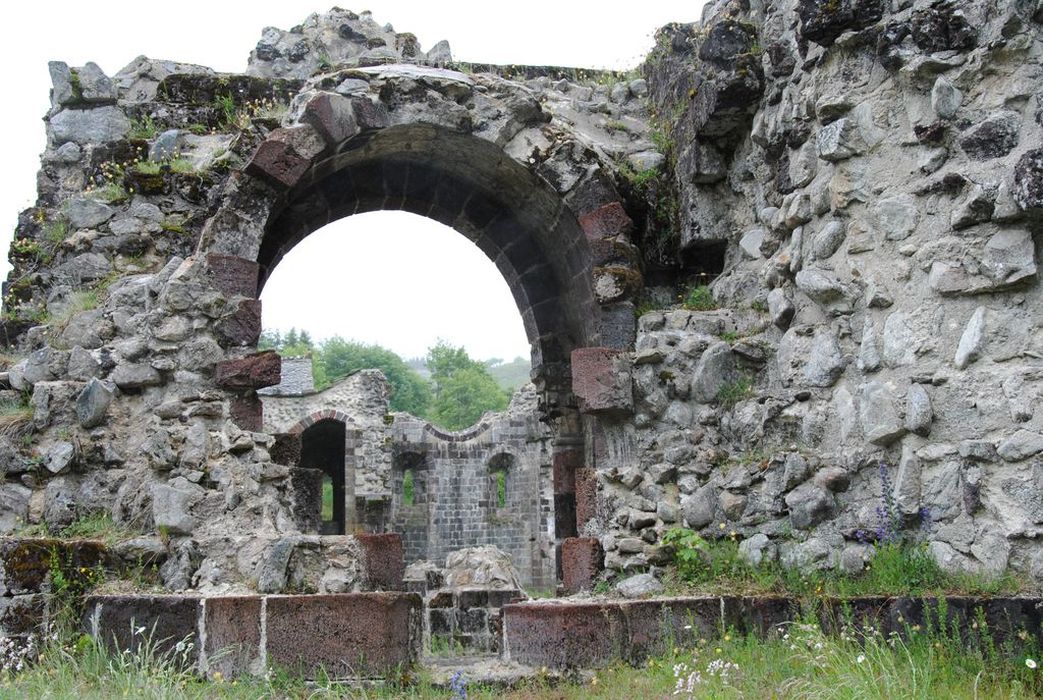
<point x="1031" y="663"/>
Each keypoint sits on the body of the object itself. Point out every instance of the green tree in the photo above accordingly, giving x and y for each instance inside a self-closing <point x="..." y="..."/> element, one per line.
<point x="464" y="389"/>
<point x="409" y="391"/>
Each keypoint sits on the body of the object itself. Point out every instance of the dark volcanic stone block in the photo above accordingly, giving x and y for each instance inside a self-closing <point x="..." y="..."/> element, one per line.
<point x="564" y="464"/>
<point x="598" y="381"/>
<point x="606" y="221"/>
<point x="581" y="561"/>
<point x="442" y="621"/>
<point x="127" y="622"/>
<point x="497" y="599"/>
<point x="287" y="449"/>
<point x="565" y="635"/>
<point x="472" y="598"/>
<point x="243" y="327"/>
<point x="473" y="621"/>
<point x="349" y="635"/>
<point x="247" y="412"/>
<point x="278" y="164"/>
<point x="251" y="372"/>
<point x="655" y="626"/>
<point x="232" y="275"/>
<point x="233" y="634"/>
<point x="25" y="564"/>
<point x="760" y="615"/>
<point x="586" y="496"/>
<point x="384" y="561"/>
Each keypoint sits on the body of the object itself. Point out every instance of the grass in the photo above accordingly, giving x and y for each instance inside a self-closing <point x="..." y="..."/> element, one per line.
<point x="144" y="128"/>
<point x="15" y="418"/>
<point x="112" y="192"/>
<point x="175" y="165"/>
<point x="704" y="566"/>
<point x="797" y="661"/>
<point x="734" y="392"/>
<point x="93" y="526"/>
<point x="699" y="298"/>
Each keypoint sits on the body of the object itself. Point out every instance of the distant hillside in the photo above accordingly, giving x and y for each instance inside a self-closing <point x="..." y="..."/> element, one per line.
<point x="509" y="375"/>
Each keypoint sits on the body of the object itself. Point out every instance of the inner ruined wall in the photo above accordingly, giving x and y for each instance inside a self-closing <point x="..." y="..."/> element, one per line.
<point x="872" y="171"/>
<point x="455" y="502"/>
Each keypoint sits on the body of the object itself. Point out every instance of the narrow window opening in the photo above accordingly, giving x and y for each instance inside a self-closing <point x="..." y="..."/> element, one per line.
<point x="499" y="466"/>
<point x="408" y="487"/>
<point x="327" y="499"/>
<point x="501" y="488"/>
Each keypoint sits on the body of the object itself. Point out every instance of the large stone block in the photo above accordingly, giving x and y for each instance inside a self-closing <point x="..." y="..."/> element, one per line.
<point x="332" y="116"/>
<point x="21" y="614"/>
<point x="355" y="635"/>
<point x="581" y="560"/>
<point x="25" y="564"/>
<point x="384" y="561"/>
<point x="278" y="163"/>
<point x="556" y="635"/>
<point x="601" y="381"/>
<point x="252" y="372"/>
<point x="162" y="621"/>
<point x="564" y="464"/>
<point x="607" y="221"/>
<point x="586" y="496"/>
<point x="247" y="412"/>
<point x="232" y="275"/>
<point x="243" y="327"/>
<point x="233" y="635"/>
<point x="656" y="626"/>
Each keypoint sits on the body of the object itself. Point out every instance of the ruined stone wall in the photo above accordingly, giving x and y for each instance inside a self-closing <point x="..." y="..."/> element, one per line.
<point x="871" y="173"/>
<point x="455" y="503"/>
<point x="861" y="180"/>
<point x="132" y="308"/>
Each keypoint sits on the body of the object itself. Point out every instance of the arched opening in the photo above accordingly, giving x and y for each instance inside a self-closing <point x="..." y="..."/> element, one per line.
<point x="410" y="511"/>
<point x="520" y="221"/>
<point x="470" y="185"/>
<point x="323" y="448"/>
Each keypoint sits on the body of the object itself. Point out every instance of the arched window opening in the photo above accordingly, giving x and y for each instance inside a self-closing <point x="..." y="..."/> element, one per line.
<point x="409" y="477"/>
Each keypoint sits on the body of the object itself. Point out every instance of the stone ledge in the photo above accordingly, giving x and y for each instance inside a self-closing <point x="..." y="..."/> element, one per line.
<point x="569" y="634"/>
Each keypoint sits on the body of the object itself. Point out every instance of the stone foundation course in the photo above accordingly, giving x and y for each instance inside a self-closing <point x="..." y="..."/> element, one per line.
<point x="351" y="635"/>
<point x="573" y="634"/>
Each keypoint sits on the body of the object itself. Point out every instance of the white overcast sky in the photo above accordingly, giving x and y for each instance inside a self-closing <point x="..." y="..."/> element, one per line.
<point x="390" y="278"/>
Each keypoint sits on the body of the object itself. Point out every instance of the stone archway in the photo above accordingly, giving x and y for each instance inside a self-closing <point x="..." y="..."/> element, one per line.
<point x="429" y="142"/>
<point x="483" y="161"/>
